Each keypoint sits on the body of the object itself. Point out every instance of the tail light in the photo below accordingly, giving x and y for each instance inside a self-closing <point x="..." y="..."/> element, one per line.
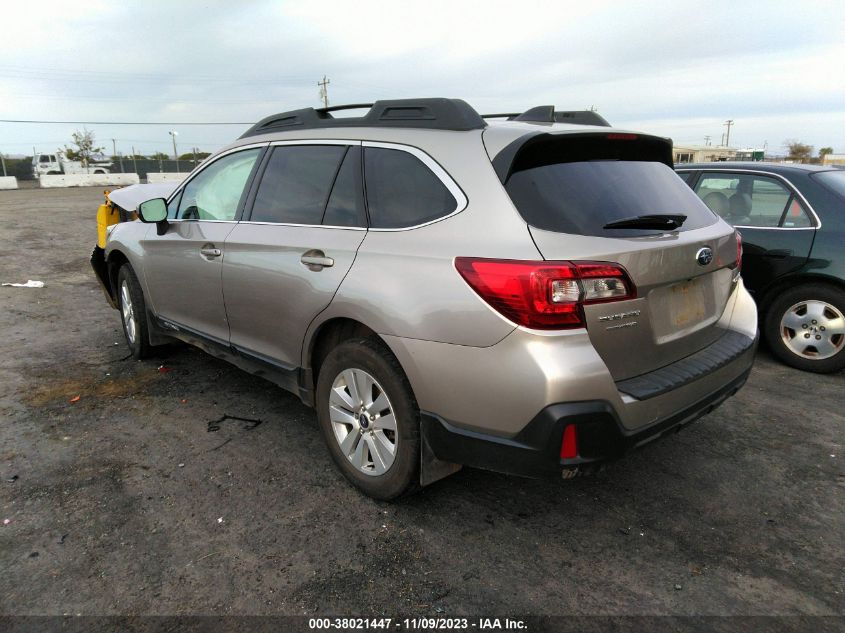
<point x="738" y="250"/>
<point x="545" y="295"/>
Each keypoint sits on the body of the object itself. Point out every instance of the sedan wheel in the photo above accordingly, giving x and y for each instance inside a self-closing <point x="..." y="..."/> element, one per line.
<point x="813" y="329"/>
<point x="805" y="327"/>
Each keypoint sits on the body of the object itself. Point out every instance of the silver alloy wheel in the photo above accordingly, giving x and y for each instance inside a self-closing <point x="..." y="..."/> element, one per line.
<point x="813" y="329"/>
<point x="363" y="422"/>
<point x="129" y="325"/>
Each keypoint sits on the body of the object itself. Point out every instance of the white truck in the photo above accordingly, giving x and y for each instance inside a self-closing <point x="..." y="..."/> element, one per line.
<point x="57" y="164"/>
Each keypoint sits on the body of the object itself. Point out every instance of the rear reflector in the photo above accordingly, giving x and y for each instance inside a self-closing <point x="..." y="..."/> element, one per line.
<point x="569" y="445"/>
<point x="545" y="295"/>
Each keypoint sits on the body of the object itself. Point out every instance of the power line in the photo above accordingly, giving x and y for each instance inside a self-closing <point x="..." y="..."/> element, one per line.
<point x="128" y="122"/>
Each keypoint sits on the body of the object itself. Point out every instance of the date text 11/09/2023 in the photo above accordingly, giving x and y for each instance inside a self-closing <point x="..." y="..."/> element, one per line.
<point x="416" y="624"/>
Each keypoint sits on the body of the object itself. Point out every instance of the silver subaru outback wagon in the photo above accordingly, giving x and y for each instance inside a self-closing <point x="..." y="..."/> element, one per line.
<point x="531" y="293"/>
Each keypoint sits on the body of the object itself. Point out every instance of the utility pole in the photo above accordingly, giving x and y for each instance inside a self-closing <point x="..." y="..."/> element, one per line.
<point x="707" y="139"/>
<point x="195" y="155"/>
<point x="3" y="160"/>
<point x="113" y="148"/>
<point x="174" y="134"/>
<point x="324" y="91"/>
<point x="728" y="123"/>
<point x="134" y="160"/>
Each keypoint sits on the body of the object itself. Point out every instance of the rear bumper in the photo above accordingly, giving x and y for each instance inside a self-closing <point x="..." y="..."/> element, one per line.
<point x="535" y="451"/>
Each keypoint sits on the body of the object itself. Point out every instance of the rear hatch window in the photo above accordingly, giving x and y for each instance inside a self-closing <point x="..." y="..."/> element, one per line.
<point x="581" y="188"/>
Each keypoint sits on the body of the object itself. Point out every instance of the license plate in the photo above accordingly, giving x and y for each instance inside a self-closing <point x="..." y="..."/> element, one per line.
<point x="687" y="303"/>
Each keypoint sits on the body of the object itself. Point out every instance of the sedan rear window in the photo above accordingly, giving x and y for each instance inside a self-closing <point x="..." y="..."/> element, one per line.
<point x="581" y="198"/>
<point x="833" y="180"/>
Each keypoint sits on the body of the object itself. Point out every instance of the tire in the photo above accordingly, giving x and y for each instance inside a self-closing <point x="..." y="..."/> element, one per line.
<point x="359" y="444"/>
<point x="133" y="312"/>
<point x="805" y="328"/>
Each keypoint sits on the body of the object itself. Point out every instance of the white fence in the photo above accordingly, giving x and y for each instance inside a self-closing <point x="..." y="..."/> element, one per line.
<point x="166" y="176"/>
<point x="88" y="180"/>
<point x="8" y="182"/>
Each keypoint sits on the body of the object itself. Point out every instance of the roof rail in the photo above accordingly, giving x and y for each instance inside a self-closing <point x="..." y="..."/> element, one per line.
<point x="433" y="114"/>
<point x="548" y="114"/>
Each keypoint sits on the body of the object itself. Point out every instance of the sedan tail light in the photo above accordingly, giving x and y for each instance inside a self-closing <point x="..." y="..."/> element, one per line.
<point x="545" y="295"/>
<point x="738" y="250"/>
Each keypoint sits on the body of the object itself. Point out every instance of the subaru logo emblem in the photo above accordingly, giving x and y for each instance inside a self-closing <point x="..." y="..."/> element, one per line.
<point x="704" y="256"/>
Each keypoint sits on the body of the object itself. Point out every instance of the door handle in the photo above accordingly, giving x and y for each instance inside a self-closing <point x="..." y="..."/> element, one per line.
<point x="779" y="253"/>
<point x="210" y="252"/>
<point x="316" y="260"/>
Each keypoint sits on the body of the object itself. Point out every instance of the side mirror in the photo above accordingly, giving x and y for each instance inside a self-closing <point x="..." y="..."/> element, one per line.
<point x="153" y="211"/>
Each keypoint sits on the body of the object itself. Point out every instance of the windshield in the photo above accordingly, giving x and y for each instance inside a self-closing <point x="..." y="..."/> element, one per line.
<point x="833" y="180"/>
<point x="582" y="197"/>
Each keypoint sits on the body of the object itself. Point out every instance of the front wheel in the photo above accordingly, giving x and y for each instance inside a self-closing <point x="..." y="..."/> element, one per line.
<point x="369" y="418"/>
<point x="805" y="328"/>
<point x="133" y="314"/>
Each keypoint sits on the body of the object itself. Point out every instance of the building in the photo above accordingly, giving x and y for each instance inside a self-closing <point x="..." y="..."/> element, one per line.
<point x="833" y="159"/>
<point x="703" y="153"/>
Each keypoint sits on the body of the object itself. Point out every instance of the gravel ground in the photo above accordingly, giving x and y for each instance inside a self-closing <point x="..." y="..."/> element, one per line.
<point x="204" y="490"/>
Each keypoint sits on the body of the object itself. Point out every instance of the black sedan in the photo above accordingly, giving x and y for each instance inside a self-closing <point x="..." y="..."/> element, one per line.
<point x="792" y="221"/>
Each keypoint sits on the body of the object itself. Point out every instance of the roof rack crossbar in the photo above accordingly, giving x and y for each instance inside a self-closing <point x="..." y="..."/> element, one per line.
<point x="348" y="106"/>
<point x="435" y="114"/>
<point x="548" y="114"/>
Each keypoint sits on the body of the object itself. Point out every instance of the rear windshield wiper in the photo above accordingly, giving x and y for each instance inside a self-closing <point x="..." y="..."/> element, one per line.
<point x="657" y="222"/>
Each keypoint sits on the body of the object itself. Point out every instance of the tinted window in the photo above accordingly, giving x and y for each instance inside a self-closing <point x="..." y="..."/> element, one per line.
<point x="402" y="191"/>
<point x="833" y="180"/>
<point x="345" y="207"/>
<point x="216" y="191"/>
<point x="582" y="197"/>
<point x="296" y="184"/>
<point x="751" y="200"/>
<point x="44" y="159"/>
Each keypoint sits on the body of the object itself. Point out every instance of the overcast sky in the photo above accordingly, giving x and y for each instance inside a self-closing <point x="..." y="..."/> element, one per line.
<point x="678" y="69"/>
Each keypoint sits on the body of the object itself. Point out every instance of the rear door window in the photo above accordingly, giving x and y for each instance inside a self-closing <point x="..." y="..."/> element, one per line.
<point x="580" y="198"/>
<point x="402" y="191"/>
<point x="752" y="200"/>
<point x="296" y="184"/>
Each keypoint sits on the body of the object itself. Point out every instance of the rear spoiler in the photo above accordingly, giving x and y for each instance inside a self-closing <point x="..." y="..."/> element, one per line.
<point x="536" y="149"/>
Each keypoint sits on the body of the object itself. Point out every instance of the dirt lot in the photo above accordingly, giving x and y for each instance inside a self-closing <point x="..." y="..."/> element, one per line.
<point x="133" y="500"/>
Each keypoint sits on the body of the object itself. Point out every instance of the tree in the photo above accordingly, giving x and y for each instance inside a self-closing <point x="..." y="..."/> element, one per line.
<point x="798" y="151"/>
<point x="85" y="149"/>
<point x="20" y="168"/>
<point x="198" y="156"/>
<point x="160" y="156"/>
<point x="824" y="151"/>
